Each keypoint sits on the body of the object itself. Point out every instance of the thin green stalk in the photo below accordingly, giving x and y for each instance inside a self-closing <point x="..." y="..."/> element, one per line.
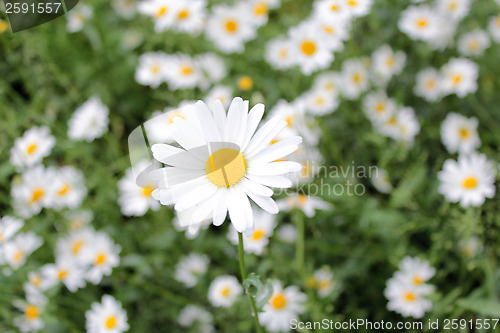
<point x="300" y="243"/>
<point x="241" y="255"/>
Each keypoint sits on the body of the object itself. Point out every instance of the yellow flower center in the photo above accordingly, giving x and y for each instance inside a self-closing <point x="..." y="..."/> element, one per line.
<point x="31" y="312"/>
<point x="62" y="274"/>
<point x="100" y="259"/>
<point x="305" y="170"/>
<point x="245" y="83"/>
<point x="155" y="69"/>
<point x="278" y="302"/>
<point x="356" y="78"/>
<point x="260" y="9"/>
<point x="77" y="246"/>
<point x="110" y="322"/>
<point x="409" y="296"/>
<point x="319" y="101"/>
<point x="231" y="26"/>
<point x="283" y="53"/>
<point x="422" y="23"/>
<point x="473" y="45"/>
<point x="464" y="133"/>
<point x="352" y="3"/>
<point x="328" y="29"/>
<point x="324" y="284"/>
<point x="186" y="70"/>
<point x="329" y="86"/>
<point x="380" y="107"/>
<point x="64" y="189"/>
<point x="1" y="237"/>
<point x="183" y="14"/>
<point x="334" y="7"/>
<point x="392" y="121"/>
<point x="456" y="79"/>
<point x="3" y="26"/>
<point x="76" y="223"/>
<point x="258" y="234"/>
<point x="226" y="167"/>
<point x="452" y="5"/>
<point x="171" y="118"/>
<point x="498" y="22"/>
<point x="31" y="148"/>
<point x="160" y="12"/>
<point x="430" y="84"/>
<point x="302" y="199"/>
<point x="289" y="120"/>
<point x="308" y="47"/>
<point x="146" y="192"/>
<point x="37" y="194"/>
<point x="417" y="280"/>
<point x="18" y="256"/>
<point x="390" y="61"/>
<point x="35" y="280"/>
<point x="225" y="292"/>
<point x="470" y="182"/>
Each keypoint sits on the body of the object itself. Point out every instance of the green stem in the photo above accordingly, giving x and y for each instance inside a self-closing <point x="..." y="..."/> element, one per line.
<point x="300" y="244"/>
<point x="241" y="255"/>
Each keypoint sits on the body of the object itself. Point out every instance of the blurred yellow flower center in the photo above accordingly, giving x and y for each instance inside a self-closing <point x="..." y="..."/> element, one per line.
<point x="380" y="107"/>
<point x="498" y="22"/>
<point x="328" y="29"/>
<point x="155" y="69"/>
<point x="3" y="26"/>
<point x="417" y="280"/>
<point x="356" y="78"/>
<point x="352" y="3"/>
<point x="452" y="5"/>
<point x="302" y="199"/>
<point x="464" y="133"/>
<point x="311" y="282"/>
<point x="260" y="9"/>
<point x="258" y="234"/>
<point x="37" y="194"/>
<point x="319" y="101"/>
<point x="64" y="189"/>
<point x="334" y="7"/>
<point x="470" y="182"/>
<point x="183" y="14"/>
<point x="147" y="192"/>
<point x="77" y="246"/>
<point x="1" y="237"/>
<point x="456" y="79"/>
<point x="100" y="259"/>
<point x="279" y="301"/>
<point x="409" y="296"/>
<point x="76" y="223"/>
<point x="186" y="70"/>
<point x="422" y="23"/>
<point x="305" y="170"/>
<point x="225" y="292"/>
<point x="390" y="61"/>
<point x="31" y="312"/>
<point x="62" y="274"/>
<point x="245" y="83"/>
<point x="226" y="167"/>
<point x="430" y="84"/>
<point x="325" y="284"/>
<point x="231" y="26"/>
<point x="289" y="120"/>
<point x="31" y="148"/>
<point x="283" y="53"/>
<point x="36" y="280"/>
<point x="171" y="118"/>
<point x="308" y="47"/>
<point x="110" y="322"/>
<point x="329" y="86"/>
<point x="160" y="12"/>
<point x="473" y="45"/>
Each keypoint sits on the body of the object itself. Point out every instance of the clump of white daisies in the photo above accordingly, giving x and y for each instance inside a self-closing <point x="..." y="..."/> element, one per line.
<point x="407" y="290"/>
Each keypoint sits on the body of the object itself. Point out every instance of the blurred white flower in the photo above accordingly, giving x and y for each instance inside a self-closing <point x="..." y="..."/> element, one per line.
<point x="306" y="203"/>
<point x="125" y="8"/>
<point x="190" y="268"/>
<point x="9" y="226"/>
<point x="474" y="43"/>
<point x="33" y="191"/>
<point x="69" y="188"/>
<point x="287" y="233"/>
<point x="358" y="8"/>
<point x="414" y="271"/>
<point x="378" y="107"/>
<point x="106" y="317"/>
<point x="101" y="257"/>
<point x="380" y="180"/>
<point x="420" y="22"/>
<point x="459" y="133"/>
<point x="19" y="248"/>
<point x="329" y="82"/>
<point x="71" y="247"/>
<point x="35" y="144"/>
<point x="323" y="281"/>
<point x="77" y="17"/>
<point x="460" y="77"/>
<point x="279" y="53"/>
<point x="32" y="308"/>
<point x="471" y="246"/>
<point x="470" y="180"/>
<point x="494" y="28"/>
<point x="189" y="16"/>
<point x="386" y="63"/>
<point x="331" y="10"/>
<point x="264" y="228"/>
<point x="407" y="299"/>
<point x="64" y="271"/>
<point x="152" y="68"/>
<point x="89" y="121"/>
<point x="213" y="68"/>
<point x="182" y="72"/>
<point x="429" y="85"/>
<point x="454" y="9"/>
<point x="224" y="291"/>
<point x="319" y="102"/>
<point x="78" y="218"/>
<point x="194" y="316"/>
<point x="160" y="10"/>
<point x="354" y="78"/>
<point x="221" y="93"/>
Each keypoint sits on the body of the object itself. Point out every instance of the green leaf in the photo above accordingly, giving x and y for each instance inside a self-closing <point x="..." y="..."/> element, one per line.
<point x="484" y="307"/>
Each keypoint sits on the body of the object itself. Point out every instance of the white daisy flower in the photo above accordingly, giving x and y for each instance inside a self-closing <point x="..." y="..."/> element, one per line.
<point x="69" y="188"/>
<point x="35" y="144"/>
<point x="190" y="268"/>
<point x="195" y="316"/>
<point x="35" y="285"/>
<point x="229" y="28"/>
<point x="33" y="191"/>
<point x="329" y="82"/>
<point x="420" y="23"/>
<point x="470" y="180"/>
<point x="354" y="78"/>
<point x="106" y="317"/>
<point x="131" y="39"/>
<point x="76" y="18"/>
<point x="407" y="299"/>
<point x="19" y="248"/>
<point x="157" y="128"/>
<point x="258" y="11"/>
<point x="160" y="10"/>
<point x="287" y="233"/>
<point x="323" y="281"/>
<point x="279" y="53"/>
<point x="319" y="102"/>
<point x="89" y="121"/>
<point x="334" y="33"/>
<point x="9" y="226"/>
<point x="264" y="228"/>
<point x="474" y="43"/>
<point x="71" y="247"/>
<point x="182" y="72"/>
<point x="101" y="257"/>
<point x="459" y="133"/>
<point x="378" y="107"/>
<point x="309" y="51"/>
<point x="152" y="69"/>
<point x="386" y="63"/>
<point x="124" y="8"/>
<point x="471" y="246"/>
<point x="415" y="271"/>
<point x="189" y="16"/>
<point x="65" y="271"/>
<point x="224" y="161"/>
<point x="310" y="158"/>
<point x="460" y="77"/>
<point x="331" y="10"/>
<point x="284" y="305"/>
<point x="296" y="122"/>
<point x="32" y="309"/>
<point x="407" y="125"/>
<point x="224" y="291"/>
<point x="135" y="192"/>
<point x="358" y="8"/>
<point x="78" y="218"/>
<point x="212" y="66"/>
<point x="380" y="180"/>
<point x="221" y="93"/>
<point x="494" y="28"/>
<point x="454" y="9"/>
<point x="429" y="85"/>
<point x="308" y="204"/>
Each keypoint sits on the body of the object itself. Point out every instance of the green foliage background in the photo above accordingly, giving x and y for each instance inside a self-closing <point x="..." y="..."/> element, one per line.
<point x="46" y="73"/>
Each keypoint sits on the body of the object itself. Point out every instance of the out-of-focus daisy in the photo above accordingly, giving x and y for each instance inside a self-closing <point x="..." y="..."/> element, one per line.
<point x="459" y="133"/>
<point x="309" y="51"/>
<point x="287" y="233"/>
<point x="454" y="9"/>
<point x="407" y="125"/>
<point x="195" y="316"/>
<point x="471" y="246"/>
<point x="420" y="22"/>
<point x="189" y="16"/>
<point x="135" y="193"/>
<point x="328" y="81"/>
<point x="460" y="77"/>
<point x="160" y="10"/>
<point x="220" y="92"/>
<point x="192" y="231"/>
<point x="378" y="107"/>
<point x="182" y="72"/>
<point x="380" y="180"/>
<point x="224" y="291"/>
<point x="68" y="187"/>
<point x="415" y="271"/>
<point x="429" y="85"/>
<point x="358" y="8"/>
<point x="264" y="227"/>
<point x="310" y="159"/>
<point x="212" y="66"/>
<point x="224" y="161"/>
<point x="78" y="218"/>
<point x="308" y="204"/>
<point x="474" y="43"/>
<point x="152" y="69"/>
<point x="190" y="268"/>
<point x="89" y="121"/>
<point x="354" y="78"/>
<point x="333" y="32"/>
<point x="107" y="316"/>
<point x="101" y="257"/>
<point x="65" y="271"/>
<point x="229" y="28"/>
<point x="9" y="226"/>
<point x="470" y="180"/>
<point x="278" y="53"/>
<point x="20" y="247"/>
<point x="125" y="8"/>
<point x="35" y="144"/>
<point x="494" y="28"/>
<point x="77" y="18"/>
<point x="32" y="308"/>
<point x="71" y="247"/>
<point x="33" y="191"/>
<point x="407" y="299"/>
<point x="131" y="39"/>
<point x="331" y="10"/>
<point x="319" y="102"/>
<point x="386" y="63"/>
<point x="36" y="284"/>
<point x="323" y="281"/>
<point x="157" y="128"/>
<point x="284" y="305"/>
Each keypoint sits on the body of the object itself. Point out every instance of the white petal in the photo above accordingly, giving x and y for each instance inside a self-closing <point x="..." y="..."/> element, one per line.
<point x="274" y="168"/>
<point x="254" y="118"/>
<point x="276" y="151"/>
<point x="265" y="135"/>
<point x="272" y="181"/>
<point x="196" y="196"/>
<point x="257" y="188"/>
